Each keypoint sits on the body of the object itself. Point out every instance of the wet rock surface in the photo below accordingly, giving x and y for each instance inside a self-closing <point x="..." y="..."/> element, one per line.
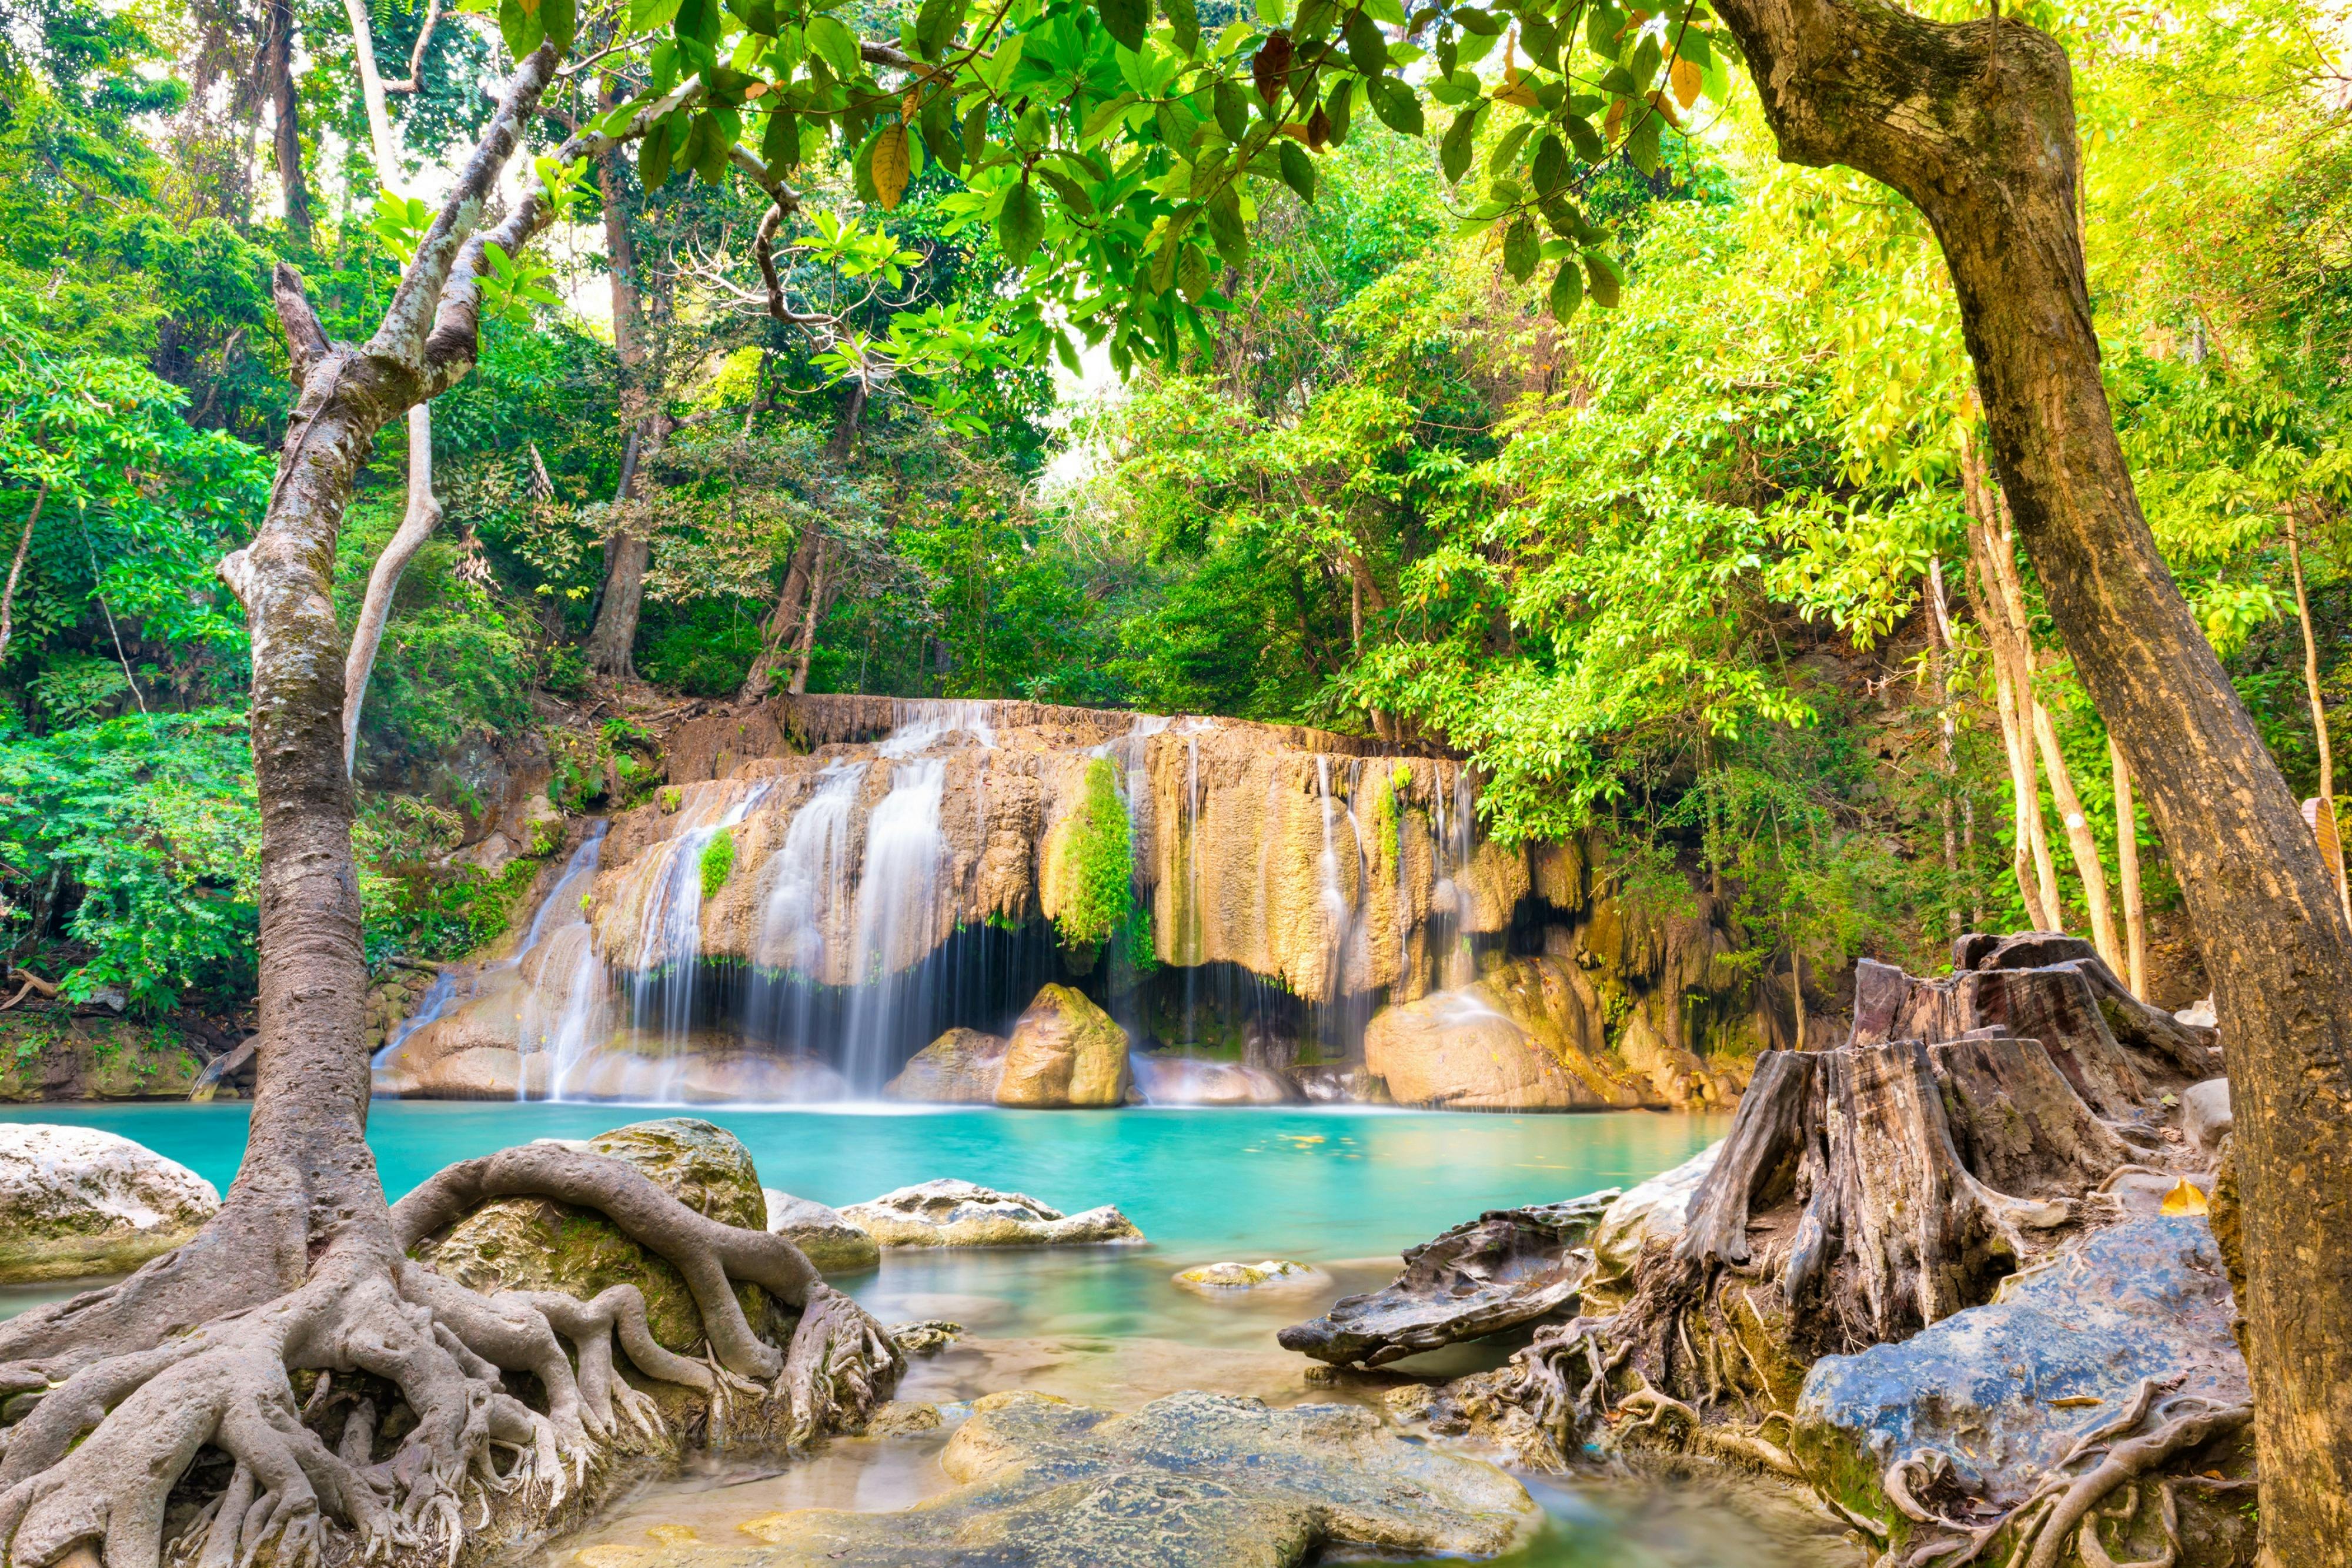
<point x="49" y="1053"/>
<point x="535" y="1244"/>
<point x="832" y="1243"/>
<point x="1189" y="1081"/>
<point x="77" y="1201"/>
<point x="1191" y="1479"/>
<point x="950" y="1213"/>
<point x="1214" y="1280"/>
<point x="963" y="1067"/>
<point x="1066" y="1052"/>
<point x="2004" y="1389"/>
<point x="1506" y="1268"/>
<point x="1649" y="1214"/>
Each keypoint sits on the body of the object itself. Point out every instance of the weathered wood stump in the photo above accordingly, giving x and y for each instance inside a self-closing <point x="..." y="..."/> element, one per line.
<point x="1869" y="1190"/>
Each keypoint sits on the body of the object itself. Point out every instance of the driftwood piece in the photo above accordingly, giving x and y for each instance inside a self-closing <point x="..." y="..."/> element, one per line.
<point x="1506" y="1268"/>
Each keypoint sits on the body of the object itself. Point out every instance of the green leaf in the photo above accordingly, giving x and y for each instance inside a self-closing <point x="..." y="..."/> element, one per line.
<point x="1566" y="290"/>
<point x="1225" y="229"/>
<point x="936" y="25"/>
<point x="1129" y="21"/>
<point x="1020" y="224"/>
<point x="1585" y="138"/>
<point x="1231" y="110"/>
<point x="1521" y="245"/>
<point x="516" y="27"/>
<point x="1505" y="151"/>
<point x="1548" y="170"/>
<point x="835" y="45"/>
<point x="1601" y="276"/>
<point x="1398" y="105"/>
<point x="561" y="20"/>
<point x="1341" y="101"/>
<point x="1069" y="190"/>
<point x="780" y="144"/>
<point x="1453" y="153"/>
<point x="1641" y="141"/>
<point x="1099" y="119"/>
<point x="1297" y="169"/>
<point x="1184" y="19"/>
<point x="1367" y="51"/>
<point x="1470" y="19"/>
<point x="1541" y="41"/>
<point x="1194" y="273"/>
<point x="975" y="133"/>
<point x="654" y="155"/>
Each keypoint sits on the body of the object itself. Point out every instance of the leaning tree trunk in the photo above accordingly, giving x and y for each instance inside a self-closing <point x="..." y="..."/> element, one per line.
<point x="305" y="1266"/>
<point x="613" y="637"/>
<point x="1974" y="122"/>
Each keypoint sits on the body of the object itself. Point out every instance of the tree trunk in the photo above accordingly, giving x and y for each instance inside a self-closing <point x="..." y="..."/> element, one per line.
<point x="16" y="567"/>
<point x="613" y="639"/>
<point x="2127" y="870"/>
<point x="2331" y="842"/>
<point x="304" y="1267"/>
<point x="794" y="605"/>
<point x="1939" y="627"/>
<point x="2080" y="840"/>
<point x="277" y="68"/>
<point x="1985" y="146"/>
<point x="808" y="644"/>
<point x="2037" y="878"/>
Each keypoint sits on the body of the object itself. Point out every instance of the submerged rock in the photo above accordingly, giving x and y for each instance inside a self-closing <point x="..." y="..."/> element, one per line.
<point x="1506" y="1268"/>
<point x="1191" y="1479"/>
<point x="949" y="1213"/>
<point x="1274" y="1274"/>
<point x="2004" y="1389"/>
<point x="832" y="1243"/>
<point x="1065" y="1052"/>
<point x="927" y="1337"/>
<point x="535" y="1244"/>
<point x="963" y="1067"/>
<point x="74" y="1200"/>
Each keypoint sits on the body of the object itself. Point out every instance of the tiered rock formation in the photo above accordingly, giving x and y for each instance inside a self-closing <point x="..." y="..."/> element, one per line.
<point x="824" y="883"/>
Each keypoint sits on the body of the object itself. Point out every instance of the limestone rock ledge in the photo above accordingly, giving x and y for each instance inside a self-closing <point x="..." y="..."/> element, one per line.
<point x="949" y="1213"/>
<point x="1189" y="1479"/>
<point x="74" y="1200"/>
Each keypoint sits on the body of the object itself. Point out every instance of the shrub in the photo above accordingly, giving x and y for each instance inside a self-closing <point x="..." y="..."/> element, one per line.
<point x="718" y="859"/>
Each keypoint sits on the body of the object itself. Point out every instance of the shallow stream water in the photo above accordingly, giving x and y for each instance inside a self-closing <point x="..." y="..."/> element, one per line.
<point x="1343" y="1188"/>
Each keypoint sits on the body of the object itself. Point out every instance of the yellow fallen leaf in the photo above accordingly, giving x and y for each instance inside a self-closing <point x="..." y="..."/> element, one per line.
<point x="2185" y="1199"/>
<point x="2076" y="1402"/>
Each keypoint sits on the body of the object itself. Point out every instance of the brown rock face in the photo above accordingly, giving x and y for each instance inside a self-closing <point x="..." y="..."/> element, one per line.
<point x="1065" y="1052"/>
<point x="963" y="1067"/>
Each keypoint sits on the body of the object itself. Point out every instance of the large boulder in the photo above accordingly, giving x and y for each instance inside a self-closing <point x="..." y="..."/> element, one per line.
<point x="963" y="1067"/>
<point x="535" y="1244"/>
<point x="74" y="1200"/>
<point x="831" y="1242"/>
<point x="2205" y="1118"/>
<point x="1506" y="1268"/>
<point x="2002" y="1390"/>
<point x="1189" y="1479"/>
<point x="50" y="1054"/>
<point x="1460" y="1051"/>
<point x="948" y="1213"/>
<point x="1065" y="1051"/>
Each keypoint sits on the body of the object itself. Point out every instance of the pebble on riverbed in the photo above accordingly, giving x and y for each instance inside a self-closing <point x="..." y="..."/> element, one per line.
<point x="928" y="1337"/>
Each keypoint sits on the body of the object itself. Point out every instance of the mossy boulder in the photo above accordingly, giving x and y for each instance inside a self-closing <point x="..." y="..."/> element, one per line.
<point x="49" y="1054"/>
<point x="533" y="1244"/>
<point x="74" y="1201"/>
<point x="1066" y="1052"/>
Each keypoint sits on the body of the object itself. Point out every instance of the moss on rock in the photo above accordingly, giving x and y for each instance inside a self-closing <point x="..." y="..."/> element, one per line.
<point x="534" y="1244"/>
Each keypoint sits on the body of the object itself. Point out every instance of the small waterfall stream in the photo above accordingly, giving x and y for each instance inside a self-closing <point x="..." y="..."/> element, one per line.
<point x="567" y="1009"/>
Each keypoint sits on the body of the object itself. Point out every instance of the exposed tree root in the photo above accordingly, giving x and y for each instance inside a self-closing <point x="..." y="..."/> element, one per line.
<point x="101" y="1452"/>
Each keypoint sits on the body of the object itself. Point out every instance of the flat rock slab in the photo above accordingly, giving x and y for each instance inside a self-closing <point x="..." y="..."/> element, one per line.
<point x="1215" y="1280"/>
<point x="832" y="1243"/>
<point x="74" y="1200"/>
<point x="1191" y="1481"/>
<point x="1508" y="1267"/>
<point x="949" y="1213"/>
<point x="2147" y="1298"/>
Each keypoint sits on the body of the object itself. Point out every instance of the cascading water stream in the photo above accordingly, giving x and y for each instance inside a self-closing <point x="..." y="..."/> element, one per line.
<point x="897" y="919"/>
<point x="810" y="875"/>
<point x="670" y="932"/>
<point x="567" y="1009"/>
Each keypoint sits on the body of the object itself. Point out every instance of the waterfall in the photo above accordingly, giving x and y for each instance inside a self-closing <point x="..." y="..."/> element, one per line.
<point x="567" y="1010"/>
<point x="898" y="916"/>
<point x="811" y="872"/>
<point x="669" y="930"/>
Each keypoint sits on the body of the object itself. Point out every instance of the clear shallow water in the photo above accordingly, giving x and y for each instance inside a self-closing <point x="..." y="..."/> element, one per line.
<point x="1344" y="1189"/>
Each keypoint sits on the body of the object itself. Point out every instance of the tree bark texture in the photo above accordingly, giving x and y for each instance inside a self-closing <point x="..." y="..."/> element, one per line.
<point x="2037" y="879"/>
<point x="277" y="70"/>
<point x="1985" y="145"/>
<point x="613" y="639"/>
<point x="2331" y="841"/>
<point x="2128" y="872"/>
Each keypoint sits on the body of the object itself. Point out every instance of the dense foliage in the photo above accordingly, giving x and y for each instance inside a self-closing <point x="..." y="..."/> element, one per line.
<point x="1195" y="360"/>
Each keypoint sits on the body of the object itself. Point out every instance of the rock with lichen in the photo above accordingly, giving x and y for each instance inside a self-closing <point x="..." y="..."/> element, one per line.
<point x="74" y="1200"/>
<point x="538" y="1244"/>
<point x="948" y="1213"/>
<point x="1065" y="1052"/>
